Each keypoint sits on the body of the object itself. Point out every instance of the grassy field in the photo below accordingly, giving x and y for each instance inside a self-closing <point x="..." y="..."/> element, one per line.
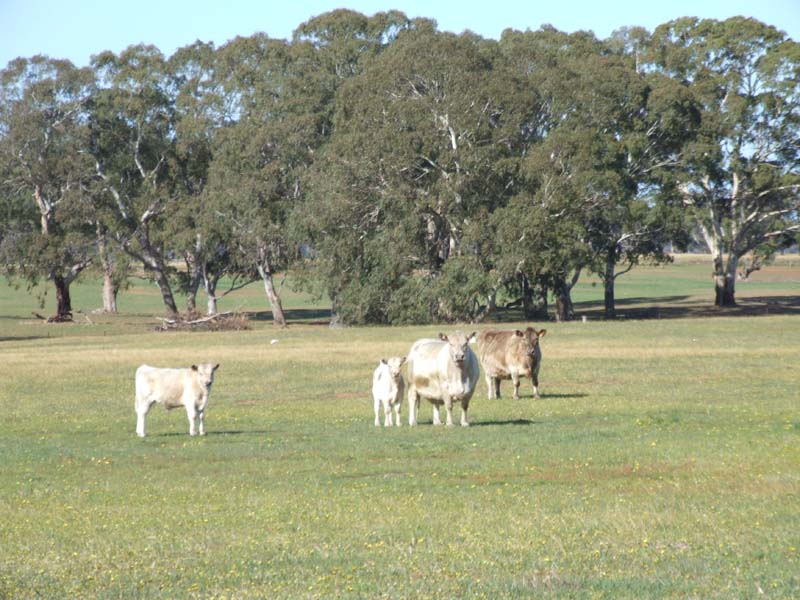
<point x="663" y="459"/>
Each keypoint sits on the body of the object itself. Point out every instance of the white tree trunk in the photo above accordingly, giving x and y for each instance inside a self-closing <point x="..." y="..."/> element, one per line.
<point x="109" y="293"/>
<point x="278" y="317"/>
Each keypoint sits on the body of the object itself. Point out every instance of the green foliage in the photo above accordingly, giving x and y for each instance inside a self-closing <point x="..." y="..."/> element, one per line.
<point x="737" y="174"/>
<point x="420" y="174"/>
<point x="42" y="165"/>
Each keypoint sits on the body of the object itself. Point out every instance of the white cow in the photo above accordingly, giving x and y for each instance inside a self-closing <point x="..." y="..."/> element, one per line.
<point x="388" y="387"/>
<point x="173" y="388"/>
<point x="443" y="371"/>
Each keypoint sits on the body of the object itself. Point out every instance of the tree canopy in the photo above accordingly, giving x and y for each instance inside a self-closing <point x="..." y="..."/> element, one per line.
<point x="410" y="174"/>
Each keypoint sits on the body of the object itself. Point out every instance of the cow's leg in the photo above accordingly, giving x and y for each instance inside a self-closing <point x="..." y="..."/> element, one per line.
<point x="535" y="380"/>
<point x="142" y="408"/>
<point x="464" y="407"/>
<point x="413" y="405"/>
<point x="496" y="384"/>
<point x="387" y="413"/>
<point x="489" y="387"/>
<point x="437" y="418"/>
<point x="200" y="415"/>
<point x="515" y="379"/>
<point x="377" y="405"/>
<point x="191" y="413"/>
<point x="448" y="406"/>
<point x="397" y="414"/>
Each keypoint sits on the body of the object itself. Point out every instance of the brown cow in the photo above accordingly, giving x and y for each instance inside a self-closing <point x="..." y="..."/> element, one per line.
<point x="510" y="354"/>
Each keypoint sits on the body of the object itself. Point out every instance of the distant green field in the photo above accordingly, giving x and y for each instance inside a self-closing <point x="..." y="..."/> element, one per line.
<point x="663" y="459"/>
<point x="682" y="288"/>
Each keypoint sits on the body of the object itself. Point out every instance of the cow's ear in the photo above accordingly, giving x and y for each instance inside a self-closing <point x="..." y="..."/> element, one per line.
<point x="542" y="332"/>
<point x="402" y="359"/>
<point x="383" y="361"/>
<point x="442" y="337"/>
<point x="518" y="333"/>
<point x="471" y="336"/>
<point x="216" y="366"/>
<point x="194" y="367"/>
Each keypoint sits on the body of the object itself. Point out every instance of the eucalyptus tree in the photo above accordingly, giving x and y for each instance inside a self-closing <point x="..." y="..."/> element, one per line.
<point x="542" y="242"/>
<point x="632" y="125"/>
<point x="412" y="163"/>
<point x="45" y="173"/>
<point x="133" y="145"/>
<point x="277" y="105"/>
<point x="252" y="180"/>
<point x="739" y="175"/>
<point x="197" y="235"/>
<point x="604" y="130"/>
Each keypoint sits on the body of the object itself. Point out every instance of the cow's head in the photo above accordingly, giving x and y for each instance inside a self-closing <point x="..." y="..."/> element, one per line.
<point x="395" y="365"/>
<point x="531" y="337"/>
<point x="205" y="373"/>
<point x="458" y="345"/>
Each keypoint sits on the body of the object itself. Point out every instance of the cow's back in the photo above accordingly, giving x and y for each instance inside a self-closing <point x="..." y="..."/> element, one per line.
<point x="162" y="385"/>
<point x="423" y="367"/>
<point x="499" y="353"/>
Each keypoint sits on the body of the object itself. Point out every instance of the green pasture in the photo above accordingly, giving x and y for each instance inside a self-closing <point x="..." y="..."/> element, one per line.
<point x="663" y="459"/>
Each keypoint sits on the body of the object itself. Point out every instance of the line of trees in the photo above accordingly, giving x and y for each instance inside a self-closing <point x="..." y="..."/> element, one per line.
<point x="412" y="175"/>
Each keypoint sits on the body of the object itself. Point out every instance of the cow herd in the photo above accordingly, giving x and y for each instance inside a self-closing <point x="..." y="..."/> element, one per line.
<point x="443" y="370"/>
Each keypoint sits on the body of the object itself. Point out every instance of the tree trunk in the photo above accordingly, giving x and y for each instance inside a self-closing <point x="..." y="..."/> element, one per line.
<point x="166" y="292"/>
<point x="608" y="285"/>
<point x="527" y="297"/>
<point x="153" y="262"/>
<point x="110" y="288"/>
<point x="541" y="304"/>
<point x="193" y="258"/>
<point x="534" y="305"/>
<point x="109" y="293"/>
<point x="564" y="309"/>
<point x="211" y="305"/>
<point x="193" y="285"/>
<point x="210" y="287"/>
<point x="63" y="301"/>
<point x="562" y="290"/>
<point x="278" y="318"/>
<point x="724" y="279"/>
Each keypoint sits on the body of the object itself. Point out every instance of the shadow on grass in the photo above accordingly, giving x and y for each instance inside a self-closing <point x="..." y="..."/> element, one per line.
<point x="671" y="307"/>
<point x="211" y="433"/>
<point x="522" y="397"/>
<point x="526" y="422"/>
<point x="311" y="316"/>
<point x="685" y="307"/>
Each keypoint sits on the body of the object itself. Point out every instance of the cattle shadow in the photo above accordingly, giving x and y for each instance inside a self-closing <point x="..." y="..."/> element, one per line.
<point x="234" y="432"/>
<point x="532" y="397"/>
<point x="505" y="422"/>
<point x="239" y="432"/>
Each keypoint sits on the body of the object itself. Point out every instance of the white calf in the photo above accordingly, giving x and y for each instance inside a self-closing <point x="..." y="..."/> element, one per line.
<point x="387" y="389"/>
<point x="173" y="388"/>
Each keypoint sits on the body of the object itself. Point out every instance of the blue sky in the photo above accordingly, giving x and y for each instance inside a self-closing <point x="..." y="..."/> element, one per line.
<point x="77" y="29"/>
